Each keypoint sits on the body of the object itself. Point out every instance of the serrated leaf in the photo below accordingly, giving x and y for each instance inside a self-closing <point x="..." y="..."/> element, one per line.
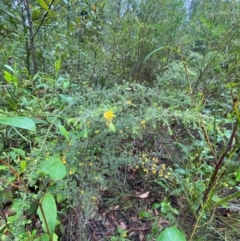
<point x="173" y="234"/>
<point x="18" y="121"/>
<point x="49" y="210"/>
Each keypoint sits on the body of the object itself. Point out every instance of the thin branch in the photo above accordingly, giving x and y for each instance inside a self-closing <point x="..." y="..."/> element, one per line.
<point x="44" y="17"/>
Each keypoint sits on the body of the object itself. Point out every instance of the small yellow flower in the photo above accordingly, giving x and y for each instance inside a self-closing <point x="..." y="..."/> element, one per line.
<point x="82" y="192"/>
<point x="90" y="164"/>
<point x="129" y="102"/>
<point x="97" y="131"/>
<point x="108" y="115"/>
<point x="143" y="122"/>
<point x="154" y="171"/>
<point x="160" y="174"/>
<point x="64" y="160"/>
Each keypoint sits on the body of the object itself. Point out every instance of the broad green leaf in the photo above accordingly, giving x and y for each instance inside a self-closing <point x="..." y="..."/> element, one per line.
<point x="44" y="5"/>
<point x="49" y="210"/>
<point x="58" y="171"/>
<point x="54" y="167"/>
<point x="55" y="237"/>
<point x="18" y="121"/>
<point x="63" y="131"/>
<point x="173" y="234"/>
<point x="23" y="165"/>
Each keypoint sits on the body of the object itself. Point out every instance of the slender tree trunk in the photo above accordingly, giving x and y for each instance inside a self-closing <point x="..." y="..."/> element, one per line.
<point x="31" y="36"/>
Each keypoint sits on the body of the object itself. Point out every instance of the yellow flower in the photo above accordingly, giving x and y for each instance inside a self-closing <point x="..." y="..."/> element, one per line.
<point x="108" y="115"/>
<point x="129" y="102"/>
<point x="143" y="122"/>
<point x="64" y="160"/>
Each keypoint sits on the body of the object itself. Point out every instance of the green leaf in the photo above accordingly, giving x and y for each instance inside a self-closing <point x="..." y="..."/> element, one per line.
<point x="55" y="237"/>
<point x="18" y="121"/>
<point x="54" y="167"/>
<point x="9" y="68"/>
<point x="49" y="210"/>
<point x="44" y="5"/>
<point x="43" y="237"/>
<point x="20" y="152"/>
<point x="112" y="127"/>
<point x="57" y="65"/>
<point x="173" y="234"/>
<point x="3" y="167"/>
<point x="23" y="165"/>
<point x="64" y="132"/>
<point x="144" y="214"/>
<point x="158" y="49"/>
<point x="7" y="76"/>
<point x="156" y="205"/>
<point x="66" y="98"/>
<point x="238" y="175"/>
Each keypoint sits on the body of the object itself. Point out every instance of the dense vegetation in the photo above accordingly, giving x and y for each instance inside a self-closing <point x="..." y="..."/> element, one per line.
<point x="119" y="120"/>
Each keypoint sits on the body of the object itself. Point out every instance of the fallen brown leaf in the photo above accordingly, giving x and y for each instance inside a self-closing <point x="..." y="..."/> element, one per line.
<point x="141" y="236"/>
<point x="134" y="219"/>
<point x="123" y="226"/>
<point x="144" y="195"/>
